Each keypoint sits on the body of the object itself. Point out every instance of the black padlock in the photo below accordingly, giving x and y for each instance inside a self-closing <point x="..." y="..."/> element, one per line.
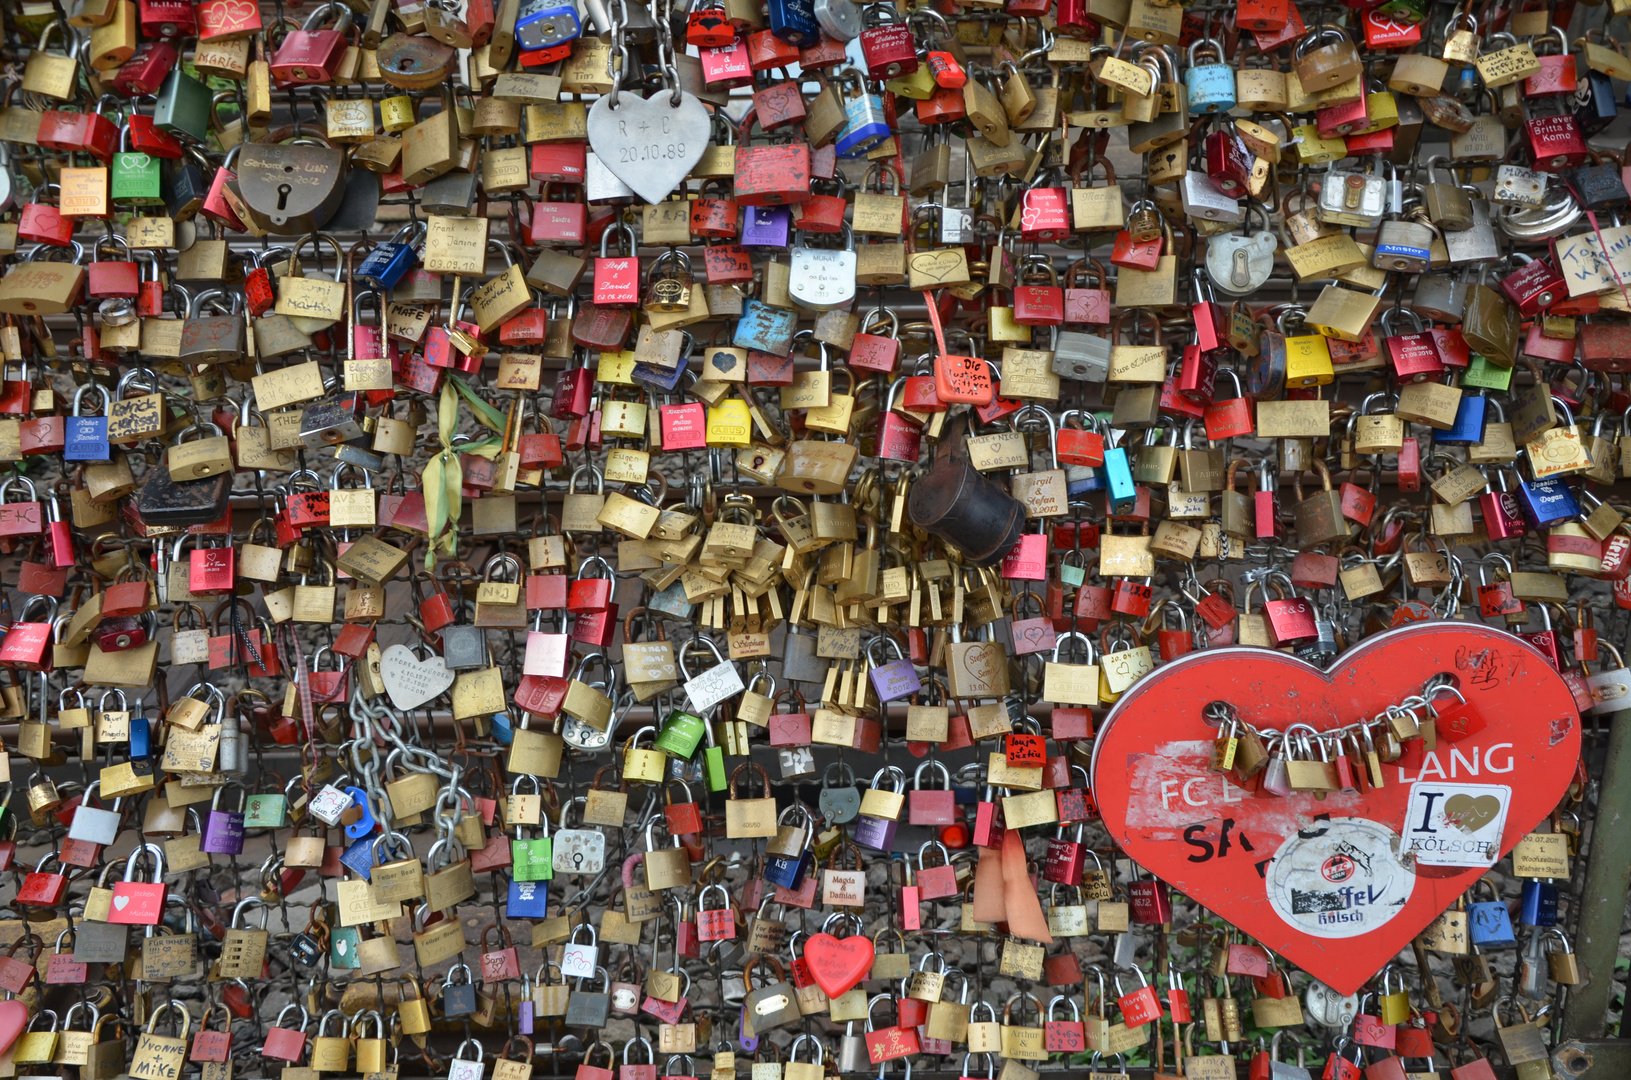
<point x="956" y="503"/>
<point x="1593" y="98"/>
<point x="184" y="188"/>
<point x="458" y="998"/>
<point x="464" y="648"/>
<point x="587" y="1009"/>
<point x="306" y="950"/>
<point x="167" y="502"/>
<point x="1600" y="186"/>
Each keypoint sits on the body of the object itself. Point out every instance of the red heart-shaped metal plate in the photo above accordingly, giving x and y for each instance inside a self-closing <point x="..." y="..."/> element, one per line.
<point x="1321" y="882"/>
<point x="838" y="964"/>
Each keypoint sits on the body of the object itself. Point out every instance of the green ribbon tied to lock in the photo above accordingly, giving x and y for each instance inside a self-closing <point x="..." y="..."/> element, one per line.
<point x="443" y="478"/>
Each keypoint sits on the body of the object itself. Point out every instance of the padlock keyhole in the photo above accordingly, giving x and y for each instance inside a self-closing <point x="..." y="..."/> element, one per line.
<point x="283" y="196"/>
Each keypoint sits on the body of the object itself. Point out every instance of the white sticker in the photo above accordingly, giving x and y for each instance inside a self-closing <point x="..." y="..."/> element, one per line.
<point x="1455" y="824"/>
<point x="1339" y="878"/>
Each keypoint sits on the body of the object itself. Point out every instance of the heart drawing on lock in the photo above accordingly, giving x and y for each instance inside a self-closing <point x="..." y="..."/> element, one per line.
<point x="228" y="16"/>
<point x="1323" y="883"/>
<point x="838" y="964"/>
<point x="121" y="902"/>
<point x="985" y="664"/>
<point x="410" y="681"/>
<point x="938" y="265"/>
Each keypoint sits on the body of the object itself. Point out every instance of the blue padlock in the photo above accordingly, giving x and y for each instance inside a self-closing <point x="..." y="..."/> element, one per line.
<point x="788" y="870"/>
<point x="1468" y="429"/>
<point x="85" y="438"/>
<point x="141" y="738"/>
<point x="1547" y="502"/>
<point x="1539" y="905"/>
<point x="359" y="856"/>
<point x="527" y="900"/>
<point x="768" y="329"/>
<point x="386" y="264"/>
<point x="1083" y="479"/>
<point x="794" y="21"/>
<point x="1488" y="921"/>
<point x="1211" y="87"/>
<point x="865" y="126"/>
<point x="503" y="732"/>
<point x="658" y="379"/>
<point x="547" y="23"/>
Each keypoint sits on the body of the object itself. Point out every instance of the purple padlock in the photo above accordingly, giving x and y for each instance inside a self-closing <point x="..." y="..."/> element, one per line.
<point x="523" y="1022"/>
<point x="896" y="679"/>
<point x="223" y="829"/>
<point x="767" y="226"/>
<point x="875" y="833"/>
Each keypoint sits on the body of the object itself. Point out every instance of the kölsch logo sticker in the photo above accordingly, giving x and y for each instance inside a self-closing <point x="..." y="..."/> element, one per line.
<point x="1455" y="824"/>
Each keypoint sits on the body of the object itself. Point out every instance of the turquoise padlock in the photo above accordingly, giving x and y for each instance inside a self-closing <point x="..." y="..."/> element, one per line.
<point x="343" y="943"/>
<point x="1211" y="86"/>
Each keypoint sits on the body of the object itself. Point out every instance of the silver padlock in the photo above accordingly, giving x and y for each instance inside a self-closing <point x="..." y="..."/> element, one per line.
<point x="1477" y="244"/>
<point x="822" y="278"/>
<point x="957" y="222"/>
<point x="1203" y="201"/>
<point x="325" y="423"/>
<point x="1349" y="197"/>
<point x="601" y="186"/>
<point x="1404" y="247"/>
<point x="1240" y="263"/>
<point x="1440" y="297"/>
<point x="1081" y="356"/>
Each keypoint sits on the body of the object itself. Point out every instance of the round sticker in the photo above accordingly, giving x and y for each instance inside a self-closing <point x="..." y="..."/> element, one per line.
<point x="1339" y="878"/>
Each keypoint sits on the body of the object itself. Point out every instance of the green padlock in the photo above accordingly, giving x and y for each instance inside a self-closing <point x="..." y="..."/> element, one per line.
<point x="135" y="178"/>
<point x="713" y="762"/>
<point x="533" y="858"/>
<point x="184" y="106"/>
<point x="1485" y="375"/>
<point x="266" y="811"/>
<point x="680" y="734"/>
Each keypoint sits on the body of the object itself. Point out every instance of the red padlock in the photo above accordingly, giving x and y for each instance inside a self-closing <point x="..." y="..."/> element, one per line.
<point x="144" y="73"/>
<point x="617" y="278"/>
<point x="888" y="48"/>
<point x="120" y="278"/>
<point x="1141" y="1006"/>
<point x="1038" y="305"/>
<point x="1556" y="143"/>
<point x="716" y="217"/>
<point x="559" y="163"/>
<point x="312" y="54"/>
